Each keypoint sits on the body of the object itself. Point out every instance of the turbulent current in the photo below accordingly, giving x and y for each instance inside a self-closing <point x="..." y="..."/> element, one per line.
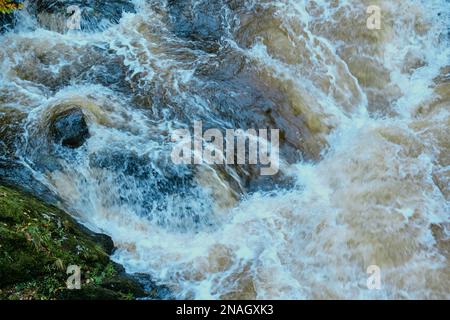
<point x="364" y="120"/>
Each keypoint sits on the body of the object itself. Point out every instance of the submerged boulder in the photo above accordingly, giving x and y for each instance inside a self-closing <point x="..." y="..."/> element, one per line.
<point x="69" y="128"/>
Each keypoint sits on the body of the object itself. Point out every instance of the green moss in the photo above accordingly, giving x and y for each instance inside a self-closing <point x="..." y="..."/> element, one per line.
<point x="39" y="241"/>
<point x="9" y="6"/>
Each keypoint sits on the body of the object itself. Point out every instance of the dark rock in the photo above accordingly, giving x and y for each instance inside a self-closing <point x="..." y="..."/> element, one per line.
<point x="156" y="291"/>
<point x="125" y="284"/>
<point x="12" y="170"/>
<point x="70" y="129"/>
<point x="37" y="243"/>
<point x="34" y="236"/>
<point x="198" y="20"/>
<point x="13" y="173"/>
<point x="101" y="239"/>
<point x="95" y="64"/>
<point x="6" y="22"/>
<point x="52" y="14"/>
<point x="90" y="293"/>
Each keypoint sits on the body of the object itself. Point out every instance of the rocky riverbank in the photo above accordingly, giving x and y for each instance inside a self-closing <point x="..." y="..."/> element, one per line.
<point x="37" y="244"/>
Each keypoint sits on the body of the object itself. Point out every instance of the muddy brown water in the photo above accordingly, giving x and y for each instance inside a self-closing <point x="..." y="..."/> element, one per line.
<point x="364" y="118"/>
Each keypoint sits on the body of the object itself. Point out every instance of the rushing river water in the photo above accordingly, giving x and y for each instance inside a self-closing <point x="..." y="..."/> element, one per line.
<point x="364" y="117"/>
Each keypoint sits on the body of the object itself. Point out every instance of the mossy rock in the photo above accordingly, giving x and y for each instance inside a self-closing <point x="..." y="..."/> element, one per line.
<point x="37" y="244"/>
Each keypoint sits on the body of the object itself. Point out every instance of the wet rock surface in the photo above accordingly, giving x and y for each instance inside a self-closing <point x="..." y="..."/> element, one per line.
<point x="12" y="170"/>
<point x="14" y="173"/>
<point x="70" y="128"/>
<point x="53" y="14"/>
<point x="7" y="14"/>
<point x="198" y="20"/>
<point x="6" y="22"/>
<point x="38" y="242"/>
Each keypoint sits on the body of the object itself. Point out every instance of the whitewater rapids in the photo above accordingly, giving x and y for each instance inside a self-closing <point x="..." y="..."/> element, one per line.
<point x="365" y="122"/>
